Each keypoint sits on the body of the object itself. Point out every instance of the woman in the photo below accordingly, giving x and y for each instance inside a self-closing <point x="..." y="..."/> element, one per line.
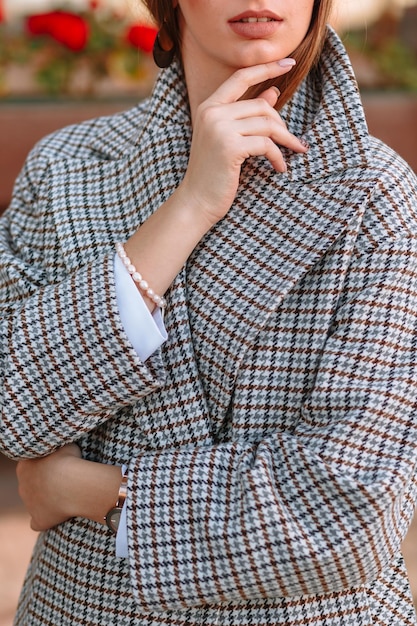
<point x="267" y="426"/>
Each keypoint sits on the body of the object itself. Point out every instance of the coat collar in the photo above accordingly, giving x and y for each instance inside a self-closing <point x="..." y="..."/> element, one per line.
<point x="334" y="123"/>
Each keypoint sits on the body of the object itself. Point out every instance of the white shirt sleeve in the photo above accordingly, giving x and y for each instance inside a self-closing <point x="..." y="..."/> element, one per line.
<point x="146" y="331"/>
<point x="121" y="537"/>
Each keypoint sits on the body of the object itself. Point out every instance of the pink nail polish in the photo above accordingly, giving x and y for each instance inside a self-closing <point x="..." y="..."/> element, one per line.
<point x="287" y="62"/>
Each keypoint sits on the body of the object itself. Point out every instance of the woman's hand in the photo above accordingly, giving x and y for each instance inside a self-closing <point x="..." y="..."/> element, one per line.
<point x="228" y="130"/>
<point x="62" y="485"/>
<point x="40" y="487"/>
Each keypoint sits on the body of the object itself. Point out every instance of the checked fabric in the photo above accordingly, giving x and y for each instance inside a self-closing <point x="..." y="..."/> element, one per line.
<point x="272" y="441"/>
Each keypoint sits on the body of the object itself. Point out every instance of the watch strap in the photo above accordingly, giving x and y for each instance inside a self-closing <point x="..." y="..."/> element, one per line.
<point x="122" y="492"/>
<point x="115" y="511"/>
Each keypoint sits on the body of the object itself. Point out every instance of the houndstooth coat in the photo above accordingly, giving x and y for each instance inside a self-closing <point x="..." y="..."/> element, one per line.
<point x="272" y="441"/>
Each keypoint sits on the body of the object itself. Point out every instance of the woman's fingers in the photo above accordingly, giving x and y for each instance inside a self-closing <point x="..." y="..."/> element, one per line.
<point x="264" y="146"/>
<point x="257" y="116"/>
<point x="226" y="131"/>
<point x="238" y="84"/>
<point x="265" y="126"/>
<point x="271" y="96"/>
<point x="231" y="125"/>
<point x="263" y="105"/>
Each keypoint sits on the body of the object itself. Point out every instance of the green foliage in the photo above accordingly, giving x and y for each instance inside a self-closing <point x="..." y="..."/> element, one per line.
<point x="392" y="62"/>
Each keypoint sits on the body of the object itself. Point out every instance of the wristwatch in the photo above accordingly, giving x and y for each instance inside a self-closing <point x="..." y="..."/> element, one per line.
<point x="112" y="518"/>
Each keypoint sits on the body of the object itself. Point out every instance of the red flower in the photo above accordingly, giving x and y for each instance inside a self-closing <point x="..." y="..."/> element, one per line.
<point x="69" y="29"/>
<point x="141" y="36"/>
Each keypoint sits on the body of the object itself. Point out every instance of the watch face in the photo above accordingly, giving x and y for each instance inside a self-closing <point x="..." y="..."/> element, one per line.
<point x="113" y="519"/>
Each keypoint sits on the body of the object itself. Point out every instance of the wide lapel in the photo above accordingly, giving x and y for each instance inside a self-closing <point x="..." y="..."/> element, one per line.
<point x="279" y="226"/>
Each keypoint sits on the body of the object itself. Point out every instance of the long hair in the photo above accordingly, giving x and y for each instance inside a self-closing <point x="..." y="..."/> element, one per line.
<point x="306" y="55"/>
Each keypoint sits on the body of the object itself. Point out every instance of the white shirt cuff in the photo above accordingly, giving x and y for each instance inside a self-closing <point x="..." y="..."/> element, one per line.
<point x="121" y="537"/>
<point x="146" y="331"/>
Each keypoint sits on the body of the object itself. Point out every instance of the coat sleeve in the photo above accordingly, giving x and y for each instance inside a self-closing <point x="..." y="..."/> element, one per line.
<point x="66" y="362"/>
<point x="320" y="509"/>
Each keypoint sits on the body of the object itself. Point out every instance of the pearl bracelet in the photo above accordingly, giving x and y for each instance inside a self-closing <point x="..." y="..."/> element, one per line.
<point x="138" y="278"/>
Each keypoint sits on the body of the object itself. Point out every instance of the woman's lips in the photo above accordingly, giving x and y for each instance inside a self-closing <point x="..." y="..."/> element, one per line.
<point x="255" y="25"/>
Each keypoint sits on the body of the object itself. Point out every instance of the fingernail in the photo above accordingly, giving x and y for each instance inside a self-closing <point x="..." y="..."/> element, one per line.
<point x="287" y="62"/>
<point x="305" y="143"/>
<point x="277" y="90"/>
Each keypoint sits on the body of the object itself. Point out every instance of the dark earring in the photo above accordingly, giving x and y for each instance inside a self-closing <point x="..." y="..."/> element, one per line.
<point x="163" y="58"/>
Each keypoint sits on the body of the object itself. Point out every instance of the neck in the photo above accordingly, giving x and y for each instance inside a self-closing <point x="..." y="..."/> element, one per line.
<point x="202" y="80"/>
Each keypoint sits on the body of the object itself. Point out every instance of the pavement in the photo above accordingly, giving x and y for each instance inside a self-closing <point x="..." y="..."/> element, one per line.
<point x="17" y="540"/>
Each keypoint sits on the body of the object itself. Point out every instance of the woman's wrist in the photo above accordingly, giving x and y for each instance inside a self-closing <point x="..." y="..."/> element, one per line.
<point x="91" y="488"/>
<point x="163" y="243"/>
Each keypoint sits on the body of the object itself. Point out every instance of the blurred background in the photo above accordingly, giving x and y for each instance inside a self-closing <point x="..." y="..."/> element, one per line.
<point x="62" y="61"/>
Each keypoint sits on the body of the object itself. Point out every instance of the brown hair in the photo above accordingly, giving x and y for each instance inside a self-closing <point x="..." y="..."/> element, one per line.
<point x="306" y="55"/>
